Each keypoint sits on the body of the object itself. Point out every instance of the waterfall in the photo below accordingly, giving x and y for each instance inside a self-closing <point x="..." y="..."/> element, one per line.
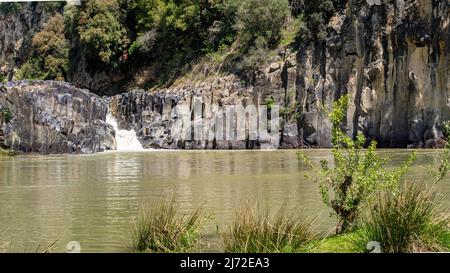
<point x="126" y="140"/>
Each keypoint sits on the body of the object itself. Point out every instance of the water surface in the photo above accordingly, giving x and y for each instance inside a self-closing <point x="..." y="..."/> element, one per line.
<point x="93" y="199"/>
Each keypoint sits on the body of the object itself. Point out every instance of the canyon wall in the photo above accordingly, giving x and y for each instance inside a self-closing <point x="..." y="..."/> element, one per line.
<point x="211" y="109"/>
<point x="17" y="29"/>
<point x="391" y="59"/>
<point x="53" y="117"/>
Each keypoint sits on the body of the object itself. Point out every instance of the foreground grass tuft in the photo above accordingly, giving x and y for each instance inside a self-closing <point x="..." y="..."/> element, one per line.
<point x="343" y="243"/>
<point x="160" y="229"/>
<point x="256" y="232"/>
<point x="407" y="221"/>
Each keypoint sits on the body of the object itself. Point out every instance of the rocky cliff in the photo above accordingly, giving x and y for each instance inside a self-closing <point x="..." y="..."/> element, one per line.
<point x="17" y="29"/>
<point x="212" y="115"/>
<point x="53" y="117"/>
<point x="390" y="57"/>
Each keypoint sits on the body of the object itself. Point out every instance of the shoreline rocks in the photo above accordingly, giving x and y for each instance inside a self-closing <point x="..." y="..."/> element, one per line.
<point x="54" y="117"/>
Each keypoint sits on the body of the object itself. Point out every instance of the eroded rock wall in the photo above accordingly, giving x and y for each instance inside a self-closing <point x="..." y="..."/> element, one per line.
<point x="392" y="59"/>
<point x="156" y="115"/>
<point x="54" y="117"/>
<point x="17" y="29"/>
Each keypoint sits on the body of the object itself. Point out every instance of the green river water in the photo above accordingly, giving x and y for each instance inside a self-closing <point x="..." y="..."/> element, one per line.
<point x="93" y="199"/>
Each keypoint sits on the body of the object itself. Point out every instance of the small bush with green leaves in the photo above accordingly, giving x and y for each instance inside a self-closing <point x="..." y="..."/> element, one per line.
<point x="357" y="173"/>
<point x="6" y="114"/>
<point x="160" y="228"/>
<point x="445" y="128"/>
<point x="254" y="231"/>
<point x="31" y="70"/>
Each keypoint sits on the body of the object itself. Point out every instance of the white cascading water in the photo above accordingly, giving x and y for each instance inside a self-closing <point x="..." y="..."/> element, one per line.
<point x="126" y="140"/>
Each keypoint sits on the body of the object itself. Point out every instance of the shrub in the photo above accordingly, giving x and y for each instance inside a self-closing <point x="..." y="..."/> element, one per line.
<point x="254" y="231"/>
<point x="31" y="70"/>
<point x="317" y="15"/>
<point x="10" y="8"/>
<point x="409" y="221"/>
<point x="160" y="229"/>
<point x="53" y="48"/>
<point x="6" y="114"/>
<point x="103" y="37"/>
<point x="357" y="172"/>
<point x="261" y="20"/>
<point x="8" y="152"/>
<point x="144" y="43"/>
<point x="445" y="128"/>
<point x="290" y="32"/>
<point x="252" y="29"/>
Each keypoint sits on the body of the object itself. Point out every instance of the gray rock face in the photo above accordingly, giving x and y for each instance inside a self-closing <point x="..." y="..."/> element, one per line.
<point x="156" y="116"/>
<point x="17" y="30"/>
<point x="390" y="58"/>
<point x="393" y="62"/>
<point x="54" y="117"/>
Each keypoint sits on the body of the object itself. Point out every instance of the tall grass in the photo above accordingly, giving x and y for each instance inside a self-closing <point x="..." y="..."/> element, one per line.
<point x="254" y="231"/>
<point x="407" y="221"/>
<point x="159" y="228"/>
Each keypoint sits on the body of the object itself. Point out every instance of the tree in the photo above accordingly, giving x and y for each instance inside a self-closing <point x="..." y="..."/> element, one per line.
<point x="261" y="19"/>
<point x="53" y="48"/>
<point x="102" y="35"/>
<point x="10" y="8"/>
<point x="357" y="172"/>
<point x="317" y="15"/>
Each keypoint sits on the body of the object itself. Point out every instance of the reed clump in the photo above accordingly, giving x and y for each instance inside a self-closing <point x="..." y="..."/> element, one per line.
<point x="254" y="231"/>
<point x="159" y="228"/>
<point x="409" y="220"/>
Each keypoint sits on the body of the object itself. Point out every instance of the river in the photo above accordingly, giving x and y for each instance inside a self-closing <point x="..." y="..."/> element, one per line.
<point x="93" y="199"/>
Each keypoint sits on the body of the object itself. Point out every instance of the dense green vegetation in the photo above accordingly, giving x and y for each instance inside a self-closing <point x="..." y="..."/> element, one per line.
<point x="10" y="8"/>
<point x="102" y="35"/>
<point x="51" y="49"/>
<point x="6" y="115"/>
<point x="168" y="37"/>
<point x="317" y="15"/>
